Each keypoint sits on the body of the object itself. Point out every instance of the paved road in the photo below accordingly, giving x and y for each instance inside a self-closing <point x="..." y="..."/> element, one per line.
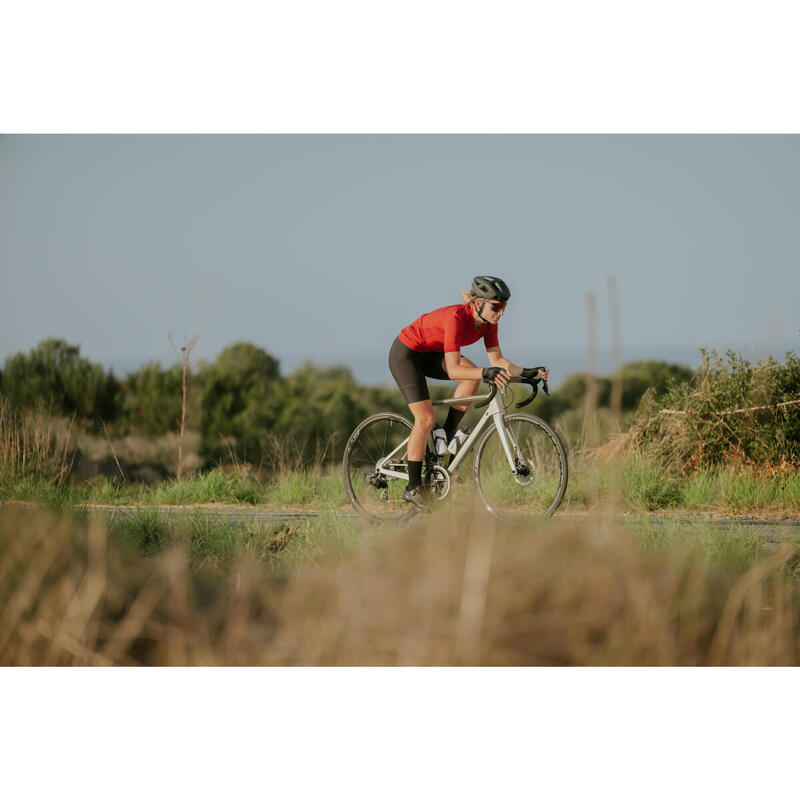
<point x="770" y="528"/>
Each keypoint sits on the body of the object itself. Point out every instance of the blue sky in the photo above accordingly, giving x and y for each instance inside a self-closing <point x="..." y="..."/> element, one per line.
<point x="323" y="247"/>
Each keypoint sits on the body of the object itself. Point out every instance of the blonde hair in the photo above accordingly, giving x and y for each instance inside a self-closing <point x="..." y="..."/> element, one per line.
<point x="468" y="299"/>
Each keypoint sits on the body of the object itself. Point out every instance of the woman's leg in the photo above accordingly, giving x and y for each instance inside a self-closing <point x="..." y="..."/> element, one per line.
<point x="424" y="420"/>
<point x="465" y="388"/>
<point x="457" y="410"/>
<point x="408" y="369"/>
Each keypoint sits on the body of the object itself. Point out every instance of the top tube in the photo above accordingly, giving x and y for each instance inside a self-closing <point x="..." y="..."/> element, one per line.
<point x="450" y="400"/>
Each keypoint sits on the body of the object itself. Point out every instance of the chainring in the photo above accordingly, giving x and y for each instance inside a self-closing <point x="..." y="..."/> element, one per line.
<point x="437" y="478"/>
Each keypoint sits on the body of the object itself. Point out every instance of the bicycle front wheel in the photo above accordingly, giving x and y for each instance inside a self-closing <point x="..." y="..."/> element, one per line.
<point x="373" y="447"/>
<point x="538" y="481"/>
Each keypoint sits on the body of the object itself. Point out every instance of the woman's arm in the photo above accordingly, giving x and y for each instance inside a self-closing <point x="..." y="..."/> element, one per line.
<point x="458" y="373"/>
<point x="496" y="359"/>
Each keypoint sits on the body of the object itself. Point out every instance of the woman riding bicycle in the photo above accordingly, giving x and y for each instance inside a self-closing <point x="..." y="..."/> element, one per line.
<point x="430" y="347"/>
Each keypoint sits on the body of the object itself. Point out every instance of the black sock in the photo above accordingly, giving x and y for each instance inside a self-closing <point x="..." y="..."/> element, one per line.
<point x="451" y="423"/>
<point x="414" y="474"/>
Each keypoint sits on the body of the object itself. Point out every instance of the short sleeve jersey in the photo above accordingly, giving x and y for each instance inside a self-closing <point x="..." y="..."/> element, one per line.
<point x="447" y="330"/>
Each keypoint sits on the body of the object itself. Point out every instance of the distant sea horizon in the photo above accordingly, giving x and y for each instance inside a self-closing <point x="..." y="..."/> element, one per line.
<point x="371" y="367"/>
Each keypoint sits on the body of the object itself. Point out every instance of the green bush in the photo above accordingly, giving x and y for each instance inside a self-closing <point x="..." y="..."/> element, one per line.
<point x="238" y="402"/>
<point x="657" y="377"/>
<point x="732" y="413"/>
<point x="251" y="413"/>
<point x="319" y="407"/>
<point x="151" y="400"/>
<point x="54" y="376"/>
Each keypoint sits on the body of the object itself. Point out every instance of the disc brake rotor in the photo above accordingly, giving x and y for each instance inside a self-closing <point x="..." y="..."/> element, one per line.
<point x="525" y="471"/>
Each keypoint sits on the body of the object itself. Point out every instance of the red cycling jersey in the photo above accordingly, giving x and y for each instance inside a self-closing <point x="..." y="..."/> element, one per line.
<point x="447" y="330"/>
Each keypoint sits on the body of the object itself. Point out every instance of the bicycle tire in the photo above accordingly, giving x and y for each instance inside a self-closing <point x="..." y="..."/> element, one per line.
<point x="373" y="439"/>
<point x="510" y="497"/>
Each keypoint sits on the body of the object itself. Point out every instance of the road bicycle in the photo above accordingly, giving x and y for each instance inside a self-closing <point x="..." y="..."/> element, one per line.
<point x="519" y="468"/>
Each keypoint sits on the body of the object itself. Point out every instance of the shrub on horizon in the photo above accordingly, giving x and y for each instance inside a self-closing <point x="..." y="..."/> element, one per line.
<point x="732" y="413"/>
<point x="54" y="376"/>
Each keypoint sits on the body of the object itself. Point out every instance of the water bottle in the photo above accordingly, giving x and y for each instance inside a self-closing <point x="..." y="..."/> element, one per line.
<point x="439" y="440"/>
<point x="457" y="440"/>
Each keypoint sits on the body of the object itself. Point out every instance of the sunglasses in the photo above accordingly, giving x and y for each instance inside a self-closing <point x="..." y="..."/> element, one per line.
<point x="497" y="306"/>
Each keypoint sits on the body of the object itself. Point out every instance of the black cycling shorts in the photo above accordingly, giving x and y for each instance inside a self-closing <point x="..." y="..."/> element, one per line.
<point x="410" y="368"/>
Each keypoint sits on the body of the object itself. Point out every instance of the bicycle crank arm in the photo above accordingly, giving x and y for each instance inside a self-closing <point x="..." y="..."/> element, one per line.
<point x="390" y="473"/>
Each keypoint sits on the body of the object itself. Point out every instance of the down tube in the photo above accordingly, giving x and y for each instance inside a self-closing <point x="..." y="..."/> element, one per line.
<point x="466" y="448"/>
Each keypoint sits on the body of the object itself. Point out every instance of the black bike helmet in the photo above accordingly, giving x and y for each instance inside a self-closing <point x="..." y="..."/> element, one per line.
<point x="490" y="287"/>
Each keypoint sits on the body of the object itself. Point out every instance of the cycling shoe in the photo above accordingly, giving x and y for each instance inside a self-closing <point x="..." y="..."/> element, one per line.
<point x="420" y="497"/>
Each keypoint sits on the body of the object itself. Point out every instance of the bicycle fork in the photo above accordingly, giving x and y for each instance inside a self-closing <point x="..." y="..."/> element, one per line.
<point x="510" y="444"/>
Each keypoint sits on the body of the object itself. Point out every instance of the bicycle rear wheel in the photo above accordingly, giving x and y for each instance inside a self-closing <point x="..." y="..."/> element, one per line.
<point x="540" y="482"/>
<point x="373" y="495"/>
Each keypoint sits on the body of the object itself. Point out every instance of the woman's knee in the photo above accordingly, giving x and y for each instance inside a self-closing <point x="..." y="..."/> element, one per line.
<point x="423" y="414"/>
<point x="425" y="421"/>
<point x="469" y="386"/>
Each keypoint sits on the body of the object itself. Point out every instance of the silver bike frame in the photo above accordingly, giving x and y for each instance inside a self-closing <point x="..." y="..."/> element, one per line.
<point x="495" y="412"/>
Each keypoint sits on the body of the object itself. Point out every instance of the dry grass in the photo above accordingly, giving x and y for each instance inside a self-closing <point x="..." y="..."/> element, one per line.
<point x="133" y="449"/>
<point x="285" y="454"/>
<point x="33" y="444"/>
<point x="452" y="591"/>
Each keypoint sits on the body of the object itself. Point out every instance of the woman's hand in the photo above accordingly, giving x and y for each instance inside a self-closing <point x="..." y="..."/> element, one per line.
<point x="499" y="376"/>
<point x="536" y="372"/>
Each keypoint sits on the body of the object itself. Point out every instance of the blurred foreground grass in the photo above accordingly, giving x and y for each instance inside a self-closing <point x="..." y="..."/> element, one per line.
<point x="451" y="589"/>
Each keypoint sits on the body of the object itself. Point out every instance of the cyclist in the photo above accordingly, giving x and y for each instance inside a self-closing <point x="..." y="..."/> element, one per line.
<point x="430" y="347"/>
